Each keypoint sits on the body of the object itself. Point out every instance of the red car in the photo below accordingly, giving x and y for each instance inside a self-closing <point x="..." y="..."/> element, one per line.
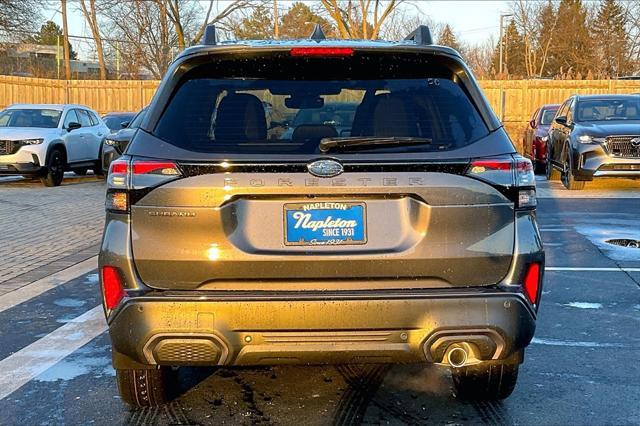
<point x="534" y="140"/>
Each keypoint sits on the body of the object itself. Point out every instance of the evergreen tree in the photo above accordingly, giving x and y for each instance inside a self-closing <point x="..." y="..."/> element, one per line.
<point x="611" y="40"/>
<point x="572" y="48"/>
<point x="448" y="38"/>
<point x="299" y="21"/>
<point x="49" y="35"/>
<point x="546" y="20"/>
<point x="257" y="26"/>
<point x="512" y="54"/>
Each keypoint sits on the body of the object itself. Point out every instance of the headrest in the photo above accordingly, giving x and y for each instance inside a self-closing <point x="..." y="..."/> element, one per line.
<point x="240" y="117"/>
<point x="313" y="132"/>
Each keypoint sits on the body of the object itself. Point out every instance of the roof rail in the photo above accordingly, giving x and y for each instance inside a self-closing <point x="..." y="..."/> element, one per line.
<point x="317" y="33"/>
<point x="421" y="35"/>
<point x="209" y="37"/>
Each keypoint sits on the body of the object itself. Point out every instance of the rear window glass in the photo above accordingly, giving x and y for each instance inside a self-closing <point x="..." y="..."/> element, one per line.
<point x="137" y="120"/>
<point x="271" y="116"/>
<point x="114" y="122"/>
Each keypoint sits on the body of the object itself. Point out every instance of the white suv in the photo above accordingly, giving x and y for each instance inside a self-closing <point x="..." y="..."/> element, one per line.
<point x="47" y="140"/>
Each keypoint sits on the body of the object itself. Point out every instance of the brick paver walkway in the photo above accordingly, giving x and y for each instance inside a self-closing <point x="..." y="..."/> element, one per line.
<point x="44" y="230"/>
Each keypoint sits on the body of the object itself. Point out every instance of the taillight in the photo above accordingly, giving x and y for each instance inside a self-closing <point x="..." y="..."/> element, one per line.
<point x="531" y="283"/>
<point x="322" y="51"/>
<point x="112" y="287"/>
<point x="513" y="174"/>
<point x="128" y="178"/>
<point x="163" y="168"/>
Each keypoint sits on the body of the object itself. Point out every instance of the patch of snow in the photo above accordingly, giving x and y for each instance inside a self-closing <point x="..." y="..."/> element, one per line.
<point x="618" y="229"/>
<point x="69" y="303"/>
<point x="578" y="344"/>
<point x="584" y="305"/>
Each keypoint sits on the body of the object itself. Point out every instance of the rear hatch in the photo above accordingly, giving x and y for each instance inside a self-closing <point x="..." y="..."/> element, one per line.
<point x="225" y="195"/>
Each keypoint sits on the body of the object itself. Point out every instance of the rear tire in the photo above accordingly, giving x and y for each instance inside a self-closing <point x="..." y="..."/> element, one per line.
<point x="551" y="172"/>
<point x="55" y="168"/>
<point x="97" y="170"/>
<point x="145" y="388"/>
<point x="485" y="382"/>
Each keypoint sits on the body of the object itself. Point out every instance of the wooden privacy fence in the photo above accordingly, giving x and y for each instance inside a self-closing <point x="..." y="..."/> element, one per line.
<point x="513" y="100"/>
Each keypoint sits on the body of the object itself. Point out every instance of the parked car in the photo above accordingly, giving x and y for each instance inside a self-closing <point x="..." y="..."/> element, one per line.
<point x="114" y="144"/>
<point x="117" y="121"/>
<point x="594" y="136"/>
<point x="47" y="140"/>
<point x="397" y="243"/>
<point x="534" y="141"/>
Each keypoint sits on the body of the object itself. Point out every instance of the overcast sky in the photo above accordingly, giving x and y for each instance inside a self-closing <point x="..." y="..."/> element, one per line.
<point x="472" y="21"/>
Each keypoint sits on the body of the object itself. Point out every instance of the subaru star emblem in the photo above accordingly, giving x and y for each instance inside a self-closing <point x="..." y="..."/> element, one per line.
<point x="635" y="142"/>
<point x="325" y="168"/>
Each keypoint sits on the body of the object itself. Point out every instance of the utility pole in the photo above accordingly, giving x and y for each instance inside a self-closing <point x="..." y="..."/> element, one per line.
<point x="58" y="55"/>
<point x="276" y="26"/>
<point x="504" y="15"/>
<point x="503" y="99"/>
<point x="118" y="60"/>
<point x="65" y="40"/>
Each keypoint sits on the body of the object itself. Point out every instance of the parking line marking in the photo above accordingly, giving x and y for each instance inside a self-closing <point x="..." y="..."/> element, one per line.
<point x="570" y="268"/>
<point x="38" y="287"/>
<point x="30" y="361"/>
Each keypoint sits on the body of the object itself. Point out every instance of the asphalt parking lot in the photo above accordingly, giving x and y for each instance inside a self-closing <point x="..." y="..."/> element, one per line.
<point x="582" y="367"/>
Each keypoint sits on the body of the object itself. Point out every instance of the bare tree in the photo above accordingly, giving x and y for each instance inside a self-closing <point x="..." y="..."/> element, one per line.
<point x="536" y="21"/>
<point x="479" y="58"/>
<point x="361" y="18"/>
<point x="185" y="17"/>
<point x="90" y="15"/>
<point x="633" y="25"/>
<point x="65" y="43"/>
<point x="403" y="20"/>
<point x="148" y="35"/>
<point x="18" y="15"/>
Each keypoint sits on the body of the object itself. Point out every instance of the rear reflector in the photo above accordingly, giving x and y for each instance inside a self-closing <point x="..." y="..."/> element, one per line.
<point x="117" y="201"/>
<point x="532" y="282"/>
<point x="112" y="287"/>
<point x="321" y="51"/>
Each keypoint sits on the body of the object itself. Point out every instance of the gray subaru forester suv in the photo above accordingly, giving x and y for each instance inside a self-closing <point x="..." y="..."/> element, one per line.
<point x="404" y="232"/>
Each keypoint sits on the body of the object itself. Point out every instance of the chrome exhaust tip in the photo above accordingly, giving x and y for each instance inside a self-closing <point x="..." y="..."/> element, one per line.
<point x="457" y="357"/>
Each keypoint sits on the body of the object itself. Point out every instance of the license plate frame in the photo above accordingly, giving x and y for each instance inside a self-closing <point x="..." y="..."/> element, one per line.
<point x="327" y="212"/>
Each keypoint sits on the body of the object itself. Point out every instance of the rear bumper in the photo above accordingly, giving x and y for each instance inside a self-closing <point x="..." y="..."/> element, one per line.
<point x="358" y="327"/>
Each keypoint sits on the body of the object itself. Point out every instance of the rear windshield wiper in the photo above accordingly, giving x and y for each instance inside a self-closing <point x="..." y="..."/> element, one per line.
<point x="326" y="144"/>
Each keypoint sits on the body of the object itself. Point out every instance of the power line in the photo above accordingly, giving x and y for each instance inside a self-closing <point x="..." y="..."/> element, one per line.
<point x="76" y="37"/>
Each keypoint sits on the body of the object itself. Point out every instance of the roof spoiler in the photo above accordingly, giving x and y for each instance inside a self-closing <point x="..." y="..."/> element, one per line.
<point x="209" y="38"/>
<point x="421" y="35"/>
